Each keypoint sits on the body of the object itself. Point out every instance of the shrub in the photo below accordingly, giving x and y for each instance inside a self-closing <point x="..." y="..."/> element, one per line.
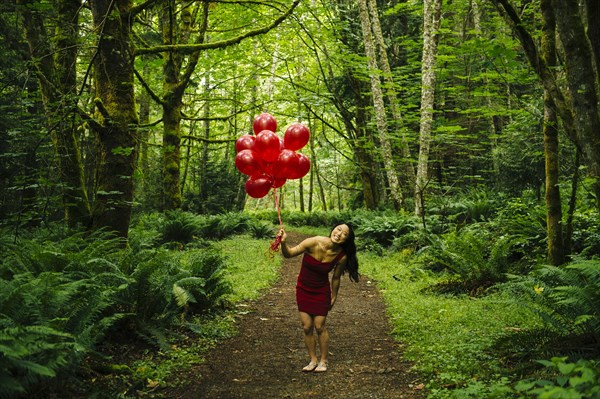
<point x="472" y="257"/>
<point x="476" y="205"/>
<point x="166" y="286"/>
<point x="384" y="229"/>
<point x="260" y="229"/>
<point x="180" y="227"/>
<point x="566" y="298"/>
<point x="57" y="301"/>
<point x="563" y="379"/>
<point x="60" y="298"/>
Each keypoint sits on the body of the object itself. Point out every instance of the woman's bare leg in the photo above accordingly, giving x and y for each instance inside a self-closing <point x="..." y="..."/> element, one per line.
<point x="308" y="326"/>
<point x="323" y="336"/>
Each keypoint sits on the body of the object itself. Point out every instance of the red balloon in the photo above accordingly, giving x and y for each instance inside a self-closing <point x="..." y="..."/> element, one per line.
<point x="264" y="121"/>
<point x="302" y="169"/>
<point x="267" y="145"/>
<point x="278" y="182"/>
<point x="286" y="164"/>
<point x="259" y="187"/>
<point x="248" y="162"/>
<point x="296" y="136"/>
<point x="267" y="167"/>
<point x="245" y="142"/>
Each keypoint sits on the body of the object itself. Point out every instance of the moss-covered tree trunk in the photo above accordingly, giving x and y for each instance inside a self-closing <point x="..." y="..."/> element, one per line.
<point x="553" y="203"/>
<point x="117" y="117"/>
<point x="575" y="94"/>
<point x="582" y="80"/>
<point x="54" y="59"/>
<point x="176" y="25"/>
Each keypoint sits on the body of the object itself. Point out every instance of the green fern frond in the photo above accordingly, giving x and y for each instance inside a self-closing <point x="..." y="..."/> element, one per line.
<point x="182" y="296"/>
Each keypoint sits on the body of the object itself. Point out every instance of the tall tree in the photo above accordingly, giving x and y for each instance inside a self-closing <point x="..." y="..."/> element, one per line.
<point x="54" y="60"/>
<point x="390" y="90"/>
<point x="181" y="51"/>
<point x="553" y="202"/>
<point x="116" y="123"/>
<point x="431" y="24"/>
<point x="576" y="99"/>
<point x="379" y="106"/>
<point x="176" y="25"/>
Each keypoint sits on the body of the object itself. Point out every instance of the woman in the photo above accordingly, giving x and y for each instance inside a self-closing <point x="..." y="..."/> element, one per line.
<point x="315" y="295"/>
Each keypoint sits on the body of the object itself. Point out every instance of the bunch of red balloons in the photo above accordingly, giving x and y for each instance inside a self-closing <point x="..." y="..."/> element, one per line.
<point x="268" y="159"/>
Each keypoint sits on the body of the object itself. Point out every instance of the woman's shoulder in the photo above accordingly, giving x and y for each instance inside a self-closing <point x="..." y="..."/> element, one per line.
<point x="315" y="240"/>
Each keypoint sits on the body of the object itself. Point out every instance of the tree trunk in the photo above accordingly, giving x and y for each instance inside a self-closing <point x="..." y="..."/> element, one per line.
<point x="577" y="104"/>
<point x="321" y="189"/>
<point x="116" y="132"/>
<point x="431" y="23"/>
<point x="583" y="84"/>
<point x="55" y="66"/>
<point x="390" y="90"/>
<point x="572" y="205"/>
<point x="593" y="29"/>
<point x="553" y="203"/>
<point x="380" y="115"/>
<point x="203" y="189"/>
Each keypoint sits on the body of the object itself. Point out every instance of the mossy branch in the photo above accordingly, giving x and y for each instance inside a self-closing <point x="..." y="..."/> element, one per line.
<point x="103" y="111"/>
<point x="146" y="87"/>
<point x="191" y="48"/>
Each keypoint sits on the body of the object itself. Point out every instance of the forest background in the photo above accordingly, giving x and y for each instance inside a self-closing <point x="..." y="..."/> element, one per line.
<point x="461" y="138"/>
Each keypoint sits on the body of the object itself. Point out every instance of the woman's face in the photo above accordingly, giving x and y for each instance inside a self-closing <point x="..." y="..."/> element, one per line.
<point x="340" y="234"/>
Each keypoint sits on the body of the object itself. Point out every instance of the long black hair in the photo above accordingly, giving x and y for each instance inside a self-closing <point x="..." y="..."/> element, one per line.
<point x="349" y="247"/>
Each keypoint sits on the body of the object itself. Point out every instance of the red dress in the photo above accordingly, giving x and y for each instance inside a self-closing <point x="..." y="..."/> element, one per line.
<point x="313" y="292"/>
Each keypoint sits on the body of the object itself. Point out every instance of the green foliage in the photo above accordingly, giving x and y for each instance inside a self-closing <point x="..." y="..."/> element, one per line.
<point x="524" y="220"/>
<point x="260" y="229"/>
<point x="383" y="229"/>
<point x="217" y="227"/>
<point x="166" y="285"/>
<point x="566" y="298"/>
<point x="61" y="297"/>
<point x="221" y="185"/>
<point x="475" y="205"/>
<point x="586" y="236"/>
<point x="519" y="155"/>
<point x="29" y="354"/>
<point x="180" y="227"/>
<point x="472" y="256"/>
<point x="449" y="338"/>
<point x="57" y="303"/>
<point x="314" y="219"/>
<point x="563" y="379"/>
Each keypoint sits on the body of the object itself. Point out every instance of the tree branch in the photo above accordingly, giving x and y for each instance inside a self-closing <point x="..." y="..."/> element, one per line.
<point x="191" y="48"/>
<point x="154" y="96"/>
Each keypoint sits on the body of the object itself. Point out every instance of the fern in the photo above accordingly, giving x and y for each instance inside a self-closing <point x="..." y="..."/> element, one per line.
<point x="567" y="299"/>
<point x="260" y="230"/>
<point x="30" y="354"/>
<point x="473" y="259"/>
<point x="384" y="229"/>
<point x="180" y="227"/>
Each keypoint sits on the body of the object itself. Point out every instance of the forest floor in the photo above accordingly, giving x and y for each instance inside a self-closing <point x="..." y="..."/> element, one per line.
<point x="264" y="360"/>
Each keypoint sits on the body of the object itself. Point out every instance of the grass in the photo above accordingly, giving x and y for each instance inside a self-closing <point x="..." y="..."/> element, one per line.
<point x="251" y="268"/>
<point x="450" y="339"/>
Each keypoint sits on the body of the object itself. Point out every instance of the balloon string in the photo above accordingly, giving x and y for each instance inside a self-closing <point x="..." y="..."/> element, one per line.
<point x="275" y="244"/>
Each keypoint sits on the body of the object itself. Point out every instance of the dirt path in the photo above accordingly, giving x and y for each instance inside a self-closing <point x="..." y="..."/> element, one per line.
<point x="265" y="359"/>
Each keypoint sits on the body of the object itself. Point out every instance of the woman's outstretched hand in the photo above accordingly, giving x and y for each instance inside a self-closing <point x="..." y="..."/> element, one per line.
<point x="282" y="234"/>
